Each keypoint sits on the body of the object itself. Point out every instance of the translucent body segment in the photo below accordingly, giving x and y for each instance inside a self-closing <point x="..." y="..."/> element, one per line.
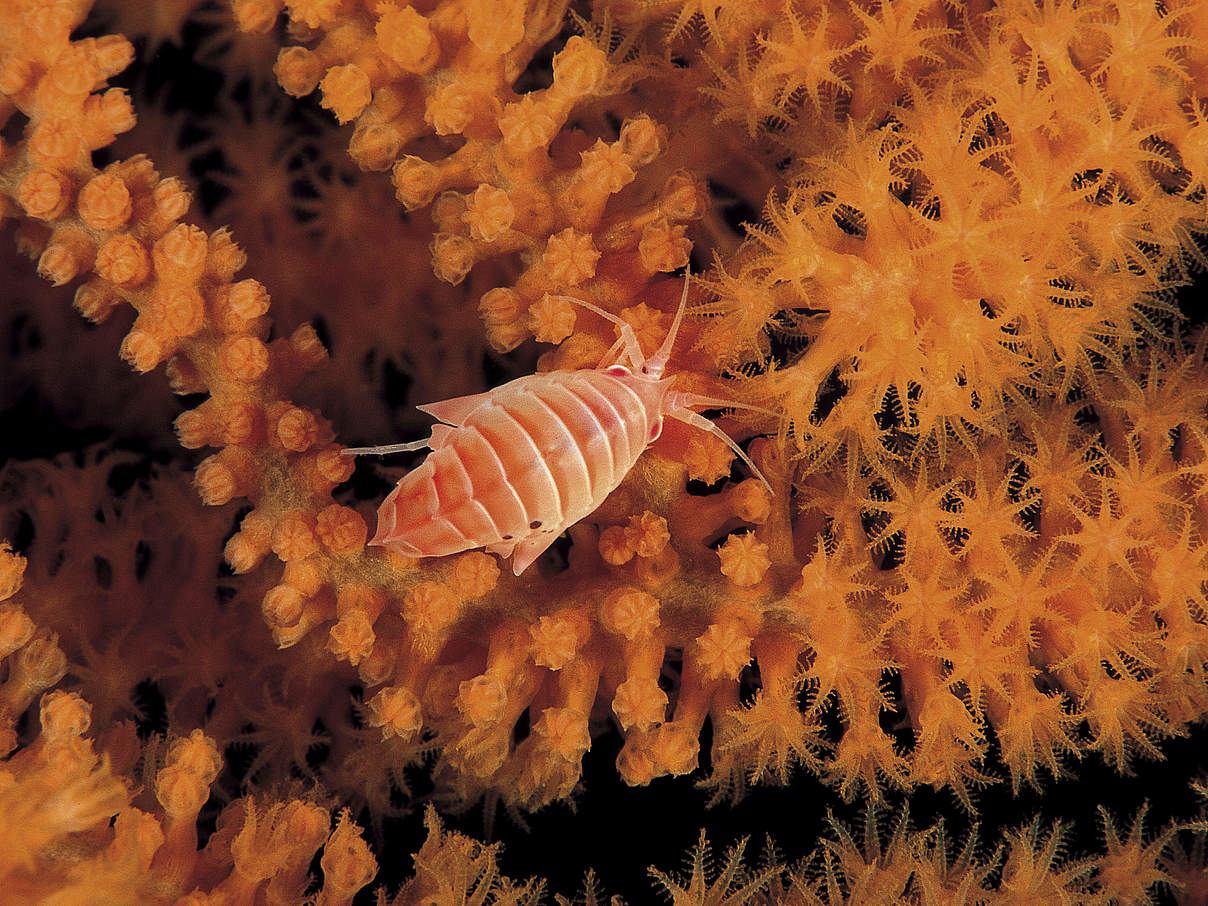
<point x="522" y="463"/>
<point x="491" y="486"/>
<point x="558" y="448"/>
<point x="612" y="407"/>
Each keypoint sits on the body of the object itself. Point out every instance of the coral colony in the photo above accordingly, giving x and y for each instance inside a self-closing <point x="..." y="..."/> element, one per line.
<point x="938" y="247"/>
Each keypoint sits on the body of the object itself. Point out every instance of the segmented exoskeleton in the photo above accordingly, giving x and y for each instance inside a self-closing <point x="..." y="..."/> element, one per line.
<point x="514" y="467"/>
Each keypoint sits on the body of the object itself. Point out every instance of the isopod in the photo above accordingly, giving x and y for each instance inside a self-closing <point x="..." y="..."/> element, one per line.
<point x="514" y="467"/>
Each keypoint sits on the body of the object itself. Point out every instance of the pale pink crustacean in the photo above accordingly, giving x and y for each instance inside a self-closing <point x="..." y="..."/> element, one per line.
<point x="512" y="468"/>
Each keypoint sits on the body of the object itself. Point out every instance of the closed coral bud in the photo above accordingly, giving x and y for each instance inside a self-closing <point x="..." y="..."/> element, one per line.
<point x="255" y="16"/>
<point x="683" y="197"/>
<point x="614" y="546"/>
<point x="110" y="54"/>
<point x="16" y="74"/>
<point x="54" y="143"/>
<point x="308" y="576"/>
<point x="500" y="306"/>
<point x="452" y="257"/>
<point x="752" y="502"/>
<point x="44" y="193"/>
<point x="647" y="324"/>
<point x="123" y="260"/>
<point x="630" y="612"/>
<point x="12" y="570"/>
<point x="180" y="254"/>
<point x="406" y="38"/>
<point x="241" y="423"/>
<point x="296" y="429"/>
<point x="724" y="649"/>
<point x="397" y="711"/>
<point x="177" y="308"/>
<point x="643" y="139"/>
<point x="141" y="350"/>
<point x="570" y="258"/>
<point x="416" y="181"/>
<point x="171" y="199"/>
<point x="606" y="166"/>
<point x="105" y="203"/>
<point x="16" y="628"/>
<point x="489" y="213"/>
<point x="298" y="71"/>
<point x="194" y="429"/>
<point x="197" y="754"/>
<point x="346" y="91"/>
<point x="639" y="703"/>
<point x="744" y="559"/>
<point x="180" y="793"/>
<point x="474" y="575"/>
<point x="240" y="303"/>
<point x="341" y="530"/>
<point x="675" y="749"/>
<point x="450" y="108"/>
<point x="482" y="700"/>
<point x="579" y="67"/>
<point x="663" y="246"/>
<point x="564" y="732"/>
<point x="352" y="637"/>
<point x="228" y="474"/>
<point x="556" y="640"/>
<point x="69" y="254"/>
<point x="347" y="863"/>
<point x="708" y="459"/>
<point x="551" y="319"/>
<point x="527" y="125"/>
<point x="251" y="544"/>
<point x="224" y="258"/>
<point x="72" y="75"/>
<point x="647" y="534"/>
<point x="294" y="536"/>
<point x="378" y="666"/>
<point x="244" y="357"/>
<point x="307" y="348"/>
<point x="495" y="26"/>
<point x="33" y="669"/>
<point x="282" y="605"/>
<point x="64" y="716"/>
<point x="105" y="116"/>
<point x="95" y="301"/>
<point x="315" y="13"/>
<point x="332" y="466"/>
<point x="430" y="607"/>
<point x="634" y="765"/>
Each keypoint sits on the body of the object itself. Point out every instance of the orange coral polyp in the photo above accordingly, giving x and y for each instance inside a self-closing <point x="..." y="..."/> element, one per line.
<point x="630" y="612"/>
<point x="244" y="358"/>
<point x="105" y="203"/>
<point x="431" y="607"/>
<point x="724" y="649"/>
<point x="556" y="640"/>
<point x="45" y="194"/>
<point x="475" y="574"/>
<point x="346" y="91"/>
<point x="570" y="258"/>
<point x="744" y="559"/>
<point x="123" y="260"/>
<point x="406" y="37"/>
